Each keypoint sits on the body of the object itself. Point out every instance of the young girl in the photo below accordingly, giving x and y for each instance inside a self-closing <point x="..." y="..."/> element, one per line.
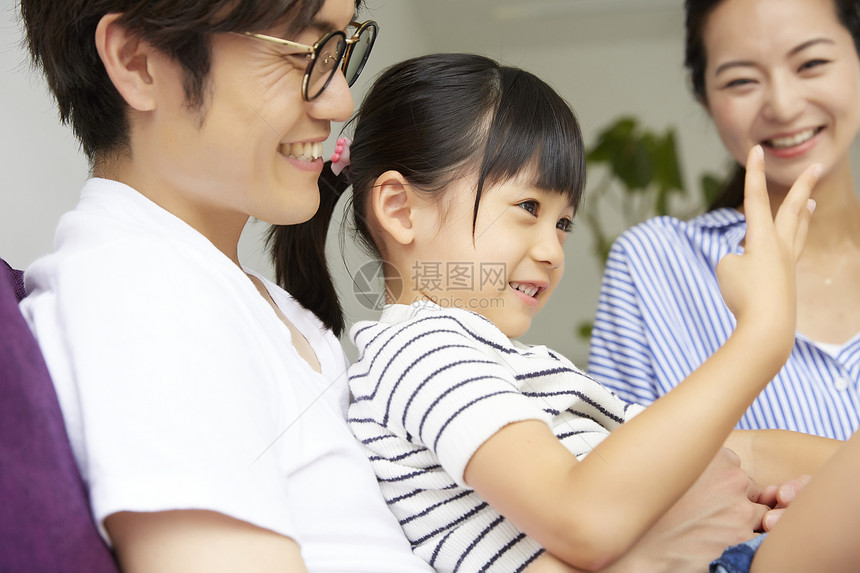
<point x="466" y="178"/>
<point x="796" y="90"/>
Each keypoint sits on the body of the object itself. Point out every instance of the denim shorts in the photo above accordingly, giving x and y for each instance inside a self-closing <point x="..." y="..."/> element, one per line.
<point x="738" y="558"/>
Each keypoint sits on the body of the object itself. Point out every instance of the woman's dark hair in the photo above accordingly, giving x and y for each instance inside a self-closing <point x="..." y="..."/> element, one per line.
<point x="60" y="36"/>
<point x="434" y="119"/>
<point x="695" y="60"/>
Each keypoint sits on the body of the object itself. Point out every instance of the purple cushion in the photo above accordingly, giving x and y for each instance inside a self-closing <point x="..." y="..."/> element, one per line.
<point x="16" y="279"/>
<point x="45" y="521"/>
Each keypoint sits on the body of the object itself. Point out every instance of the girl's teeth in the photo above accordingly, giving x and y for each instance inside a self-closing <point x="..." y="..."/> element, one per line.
<point x="305" y="151"/>
<point x="530" y="290"/>
<point x="785" y="142"/>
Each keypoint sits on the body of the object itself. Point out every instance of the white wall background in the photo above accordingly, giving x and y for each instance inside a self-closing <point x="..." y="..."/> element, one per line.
<point x="606" y="57"/>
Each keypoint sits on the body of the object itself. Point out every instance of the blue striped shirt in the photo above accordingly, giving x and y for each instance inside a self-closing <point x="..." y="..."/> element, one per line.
<point x="661" y="314"/>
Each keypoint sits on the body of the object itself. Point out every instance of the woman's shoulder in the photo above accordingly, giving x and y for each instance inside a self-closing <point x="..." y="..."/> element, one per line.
<point x="713" y="221"/>
<point x="666" y="233"/>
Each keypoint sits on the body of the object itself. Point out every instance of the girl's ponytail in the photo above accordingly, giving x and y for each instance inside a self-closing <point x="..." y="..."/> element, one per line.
<point x="298" y="253"/>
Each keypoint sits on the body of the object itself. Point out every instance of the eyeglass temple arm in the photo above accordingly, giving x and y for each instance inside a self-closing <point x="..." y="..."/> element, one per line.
<point x="303" y="47"/>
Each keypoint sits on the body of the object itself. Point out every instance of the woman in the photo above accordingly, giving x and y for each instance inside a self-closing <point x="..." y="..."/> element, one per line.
<point x="784" y="74"/>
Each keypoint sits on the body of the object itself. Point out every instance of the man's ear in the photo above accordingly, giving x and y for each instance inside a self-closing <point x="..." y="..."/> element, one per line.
<point x="127" y="60"/>
<point x="393" y="204"/>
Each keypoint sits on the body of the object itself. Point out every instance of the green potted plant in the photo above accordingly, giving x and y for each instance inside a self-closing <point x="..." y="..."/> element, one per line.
<point x="638" y="173"/>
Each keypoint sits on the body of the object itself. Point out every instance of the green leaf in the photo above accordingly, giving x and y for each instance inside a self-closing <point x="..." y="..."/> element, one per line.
<point x="611" y="139"/>
<point x="632" y="165"/>
<point x="637" y="158"/>
<point x="667" y="173"/>
<point x="644" y="165"/>
<point x="584" y="330"/>
<point x="667" y="170"/>
<point x="711" y="187"/>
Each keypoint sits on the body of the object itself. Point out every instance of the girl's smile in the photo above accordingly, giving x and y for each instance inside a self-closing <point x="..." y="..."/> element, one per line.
<point x="528" y="291"/>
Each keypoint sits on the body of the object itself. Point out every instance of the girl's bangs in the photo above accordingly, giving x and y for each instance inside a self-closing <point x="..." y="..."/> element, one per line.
<point x="535" y="129"/>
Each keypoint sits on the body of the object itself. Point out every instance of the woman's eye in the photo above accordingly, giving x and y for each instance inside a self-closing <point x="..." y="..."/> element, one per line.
<point x="530" y="206"/>
<point x="565" y="225"/>
<point x="738" y="83"/>
<point x="812" y="64"/>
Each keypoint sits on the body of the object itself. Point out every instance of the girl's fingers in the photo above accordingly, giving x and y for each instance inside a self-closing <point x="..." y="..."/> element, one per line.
<point x="803" y="227"/>
<point x="756" y="200"/>
<point x="792" y="218"/>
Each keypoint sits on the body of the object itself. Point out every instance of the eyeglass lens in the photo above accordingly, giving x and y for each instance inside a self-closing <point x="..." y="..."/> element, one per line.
<point x="358" y="53"/>
<point x="325" y="64"/>
<point x="329" y="56"/>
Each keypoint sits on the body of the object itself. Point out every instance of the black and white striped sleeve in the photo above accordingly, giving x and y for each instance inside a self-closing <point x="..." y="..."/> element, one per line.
<point x="436" y="381"/>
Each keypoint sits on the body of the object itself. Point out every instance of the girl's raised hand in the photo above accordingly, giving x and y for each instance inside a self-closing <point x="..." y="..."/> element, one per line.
<point x="759" y="285"/>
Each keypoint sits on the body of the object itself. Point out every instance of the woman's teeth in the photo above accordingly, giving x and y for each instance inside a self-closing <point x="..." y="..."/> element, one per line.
<point x="791" y="141"/>
<point x="304" y="151"/>
<point x="528" y="289"/>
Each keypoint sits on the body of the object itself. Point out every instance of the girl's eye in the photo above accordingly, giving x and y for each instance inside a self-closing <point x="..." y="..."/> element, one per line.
<point x="565" y="225"/>
<point x="531" y="206"/>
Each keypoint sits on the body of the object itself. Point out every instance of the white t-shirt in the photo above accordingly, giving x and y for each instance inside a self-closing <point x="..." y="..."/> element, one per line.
<point x="180" y="387"/>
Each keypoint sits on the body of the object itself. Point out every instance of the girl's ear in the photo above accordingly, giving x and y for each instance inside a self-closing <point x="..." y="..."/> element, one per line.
<point x="127" y="60"/>
<point x="393" y="204"/>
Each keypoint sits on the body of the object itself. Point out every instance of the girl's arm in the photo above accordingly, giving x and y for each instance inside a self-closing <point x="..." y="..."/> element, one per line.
<point x="715" y="513"/>
<point x="590" y="513"/>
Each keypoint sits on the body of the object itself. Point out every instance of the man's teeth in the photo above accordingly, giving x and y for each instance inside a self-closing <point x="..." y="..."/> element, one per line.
<point x="306" y="151"/>
<point x="791" y="141"/>
<point x="530" y="290"/>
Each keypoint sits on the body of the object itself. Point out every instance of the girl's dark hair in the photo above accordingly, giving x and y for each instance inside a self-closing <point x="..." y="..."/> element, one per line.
<point x="298" y="254"/>
<point x="434" y="119"/>
<point x="60" y="36"/>
<point x="695" y="60"/>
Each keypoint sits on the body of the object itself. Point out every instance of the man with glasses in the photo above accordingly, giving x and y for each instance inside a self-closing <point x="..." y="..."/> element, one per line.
<point x="204" y="405"/>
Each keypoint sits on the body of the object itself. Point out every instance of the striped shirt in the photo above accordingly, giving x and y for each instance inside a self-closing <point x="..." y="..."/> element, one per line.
<point x="431" y="385"/>
<point x="661" y="314"/>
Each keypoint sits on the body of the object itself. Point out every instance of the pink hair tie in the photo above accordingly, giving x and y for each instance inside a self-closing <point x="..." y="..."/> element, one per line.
<point x="340" y="157"/>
